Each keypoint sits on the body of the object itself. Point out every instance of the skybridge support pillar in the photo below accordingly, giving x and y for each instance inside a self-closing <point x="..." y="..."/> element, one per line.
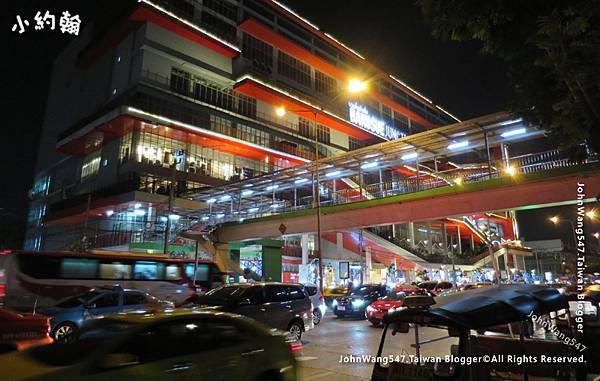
<point x="304" y="246"/>
<point x="411" y="234"/>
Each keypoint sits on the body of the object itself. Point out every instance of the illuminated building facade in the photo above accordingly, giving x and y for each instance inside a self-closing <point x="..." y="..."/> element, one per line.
<point x="188" y="92"/>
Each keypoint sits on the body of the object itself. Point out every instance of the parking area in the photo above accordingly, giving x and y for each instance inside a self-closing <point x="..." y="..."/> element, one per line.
<point x="334" y="338"/>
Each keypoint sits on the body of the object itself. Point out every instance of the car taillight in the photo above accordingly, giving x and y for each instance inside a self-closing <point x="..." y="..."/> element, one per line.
<point x="295" y="347"/>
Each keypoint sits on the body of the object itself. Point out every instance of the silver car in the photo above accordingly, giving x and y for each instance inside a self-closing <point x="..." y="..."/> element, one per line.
<point x="318" y="302"/>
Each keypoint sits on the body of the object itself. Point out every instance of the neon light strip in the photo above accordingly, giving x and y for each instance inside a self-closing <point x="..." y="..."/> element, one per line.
<point x="216" y="134"/>
<point x="193" y="26"/>
<point x="448" y="113"/>
<point x="285" y="93"/>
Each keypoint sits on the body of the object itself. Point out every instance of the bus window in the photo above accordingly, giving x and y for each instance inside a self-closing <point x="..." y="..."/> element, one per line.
<point x="115" y="270"/>
<point x="148" y="270"/>
<point x="173" y="272"/>
<point x="78" y="268"/>
<point x="40" y="267"/>
<point x="201" y="272"/>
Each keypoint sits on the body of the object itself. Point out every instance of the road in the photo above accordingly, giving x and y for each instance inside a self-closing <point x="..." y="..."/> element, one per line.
<point x="324" y="346"/>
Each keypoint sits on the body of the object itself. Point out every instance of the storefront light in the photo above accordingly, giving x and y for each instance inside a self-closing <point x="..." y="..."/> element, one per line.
<point x="252" y="210"/>
<point x="515" y="132"/>
<point x="211" y="200"/>
<point x="109" y="213"/>
<point x="300" y="181"/>
<point x="204" y="218"/>
<point x="333" y="174"/>
<point x="272" y="187"/>
<point x="174" y="217"/>
<point x="220" y="215"/>
<point x="369" y="165"/>
<point x="247" y="192"/>
<point x="409" y="156"/>
<point x="225" y="198"/>
<point x="137" y="206"/>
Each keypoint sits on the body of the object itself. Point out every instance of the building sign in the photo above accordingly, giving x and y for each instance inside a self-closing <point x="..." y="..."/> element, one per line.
<point x="360" y="115"/>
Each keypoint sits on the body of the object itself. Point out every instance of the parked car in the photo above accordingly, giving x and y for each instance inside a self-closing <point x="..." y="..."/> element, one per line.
<point x="284" y="306"/>
<point x="356" y="301"/>
<point x="330" y="294"/>
<point x="21" y="331"/>
<point x="391" y="302"/>
<point x="70" y="315"/>
<point x="318" y="302"/>
<point x="435" y="287"/>
<point x="176" y="345"/>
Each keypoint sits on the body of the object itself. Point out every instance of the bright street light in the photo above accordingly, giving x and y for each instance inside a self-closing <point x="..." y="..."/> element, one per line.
<point x="458" y="180"/>
<point x="280" y="111"/>
<point x="356" y="86"/>
<point x="510" y="170"/>
<point x="591" y="214"/>
<point x="554" y="219"/>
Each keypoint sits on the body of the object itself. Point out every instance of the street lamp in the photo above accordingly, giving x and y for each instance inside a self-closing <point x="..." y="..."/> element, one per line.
<point x="591" y="214"/>
<point x="354" y="86"/>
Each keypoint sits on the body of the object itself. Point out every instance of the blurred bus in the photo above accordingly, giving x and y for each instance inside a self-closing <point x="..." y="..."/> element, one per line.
<point x="41" y="279"/>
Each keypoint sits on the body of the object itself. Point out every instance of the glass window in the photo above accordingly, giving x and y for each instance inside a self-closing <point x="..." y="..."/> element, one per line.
<point x="354" y="143"/>
<point x="39" y="266"/>
<point x="115" y="270"/>
<point x="323" y="134"/>
<point x="148" y="270"/>
<point x="295" y="292"/>
<point x="293" y="69"/>
<point x="222" y="7"/>
<point x="107" y="300"/>
<point x="201" y="272"/>
<point x="172" y="272"/>
<point x="324" y="84"/>
<point x="254" y="294"/>
<point x="218" y="26"/>
<point x="133" y="298"/>
<point x="91" y="165"/>
<point x="259" y="52"/>
<point x="78" y="268"/>
<point x="275" y="293"/>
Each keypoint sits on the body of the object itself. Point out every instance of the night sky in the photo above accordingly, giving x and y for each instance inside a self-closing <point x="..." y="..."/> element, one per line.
<point x="390" y="34"/>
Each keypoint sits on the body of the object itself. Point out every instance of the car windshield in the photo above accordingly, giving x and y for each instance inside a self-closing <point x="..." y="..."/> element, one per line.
<point x="363" y="290"/>
<point x="77" y="300"/>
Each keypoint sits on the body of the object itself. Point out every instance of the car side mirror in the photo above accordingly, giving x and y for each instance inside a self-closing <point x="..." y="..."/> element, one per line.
<point x="117" y="360"/>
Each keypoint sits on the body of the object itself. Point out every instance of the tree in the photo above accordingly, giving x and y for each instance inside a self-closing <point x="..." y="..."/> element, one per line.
<point x="552" y="51"/>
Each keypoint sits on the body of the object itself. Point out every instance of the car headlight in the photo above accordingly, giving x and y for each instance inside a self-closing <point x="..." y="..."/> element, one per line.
<point x="371" y="309"/>
<point x="391" y="310"/>
<point x="357" y="303"/>
<point x="334" y="303"/>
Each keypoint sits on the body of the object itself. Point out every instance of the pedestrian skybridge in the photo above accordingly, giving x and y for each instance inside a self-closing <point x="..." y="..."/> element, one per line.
<point x="490" y="152"/>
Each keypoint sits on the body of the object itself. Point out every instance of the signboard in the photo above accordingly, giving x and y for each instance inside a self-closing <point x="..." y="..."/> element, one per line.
<point x="344" y="270"/>
<point x="360" y="115"/>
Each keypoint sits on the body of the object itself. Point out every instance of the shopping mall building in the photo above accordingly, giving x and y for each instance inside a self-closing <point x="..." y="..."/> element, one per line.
<point x="197" y="94"/>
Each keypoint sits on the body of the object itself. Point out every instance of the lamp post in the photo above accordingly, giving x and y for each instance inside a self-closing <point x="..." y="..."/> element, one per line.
<point x="354" y="86"/>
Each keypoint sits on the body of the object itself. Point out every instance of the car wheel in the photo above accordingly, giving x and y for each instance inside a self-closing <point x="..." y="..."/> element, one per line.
<point x="295" y="330"/>
<point x="65" y="332"/>
<point x="317" y="316"/>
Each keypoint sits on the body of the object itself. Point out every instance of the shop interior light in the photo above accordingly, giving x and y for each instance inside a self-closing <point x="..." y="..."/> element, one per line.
<point x="513" y="121"/>
<point x="515" y="132"/>
<point x="109" y="213"/>
<point x="163" y="219"/>
<point x="300" y="181"/>
<point x="220" y="215"/>
<point x="457" y="145"/>
<point x="247" y="192"/>
<point x="409" y="156"/>
<point x="333" y="174"/>
<point x="139" y="212"/>
<point x="272" y="187"/>
<point x="369" y="165"/>
<point x="174" y="217"/>
<point x="225" y="198"/>
<point x="275" y="206"/>
<point x="137" y="205"/>
<point x="252" y="210"/>
<point x="211" y="200"/>
<point x="204" y="218"/>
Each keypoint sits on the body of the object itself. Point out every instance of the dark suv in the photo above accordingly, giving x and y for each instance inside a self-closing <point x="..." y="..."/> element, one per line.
<point x="284" y="306"/>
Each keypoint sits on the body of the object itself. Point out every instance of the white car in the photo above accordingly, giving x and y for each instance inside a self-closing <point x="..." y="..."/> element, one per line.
<point x="318" y="302"/>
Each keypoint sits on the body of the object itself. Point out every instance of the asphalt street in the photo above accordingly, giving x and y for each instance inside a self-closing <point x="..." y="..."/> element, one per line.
<point x="324" y="347"/>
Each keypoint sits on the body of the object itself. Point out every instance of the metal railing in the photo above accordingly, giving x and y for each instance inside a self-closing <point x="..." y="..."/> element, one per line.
<point x="267" y="206"/>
